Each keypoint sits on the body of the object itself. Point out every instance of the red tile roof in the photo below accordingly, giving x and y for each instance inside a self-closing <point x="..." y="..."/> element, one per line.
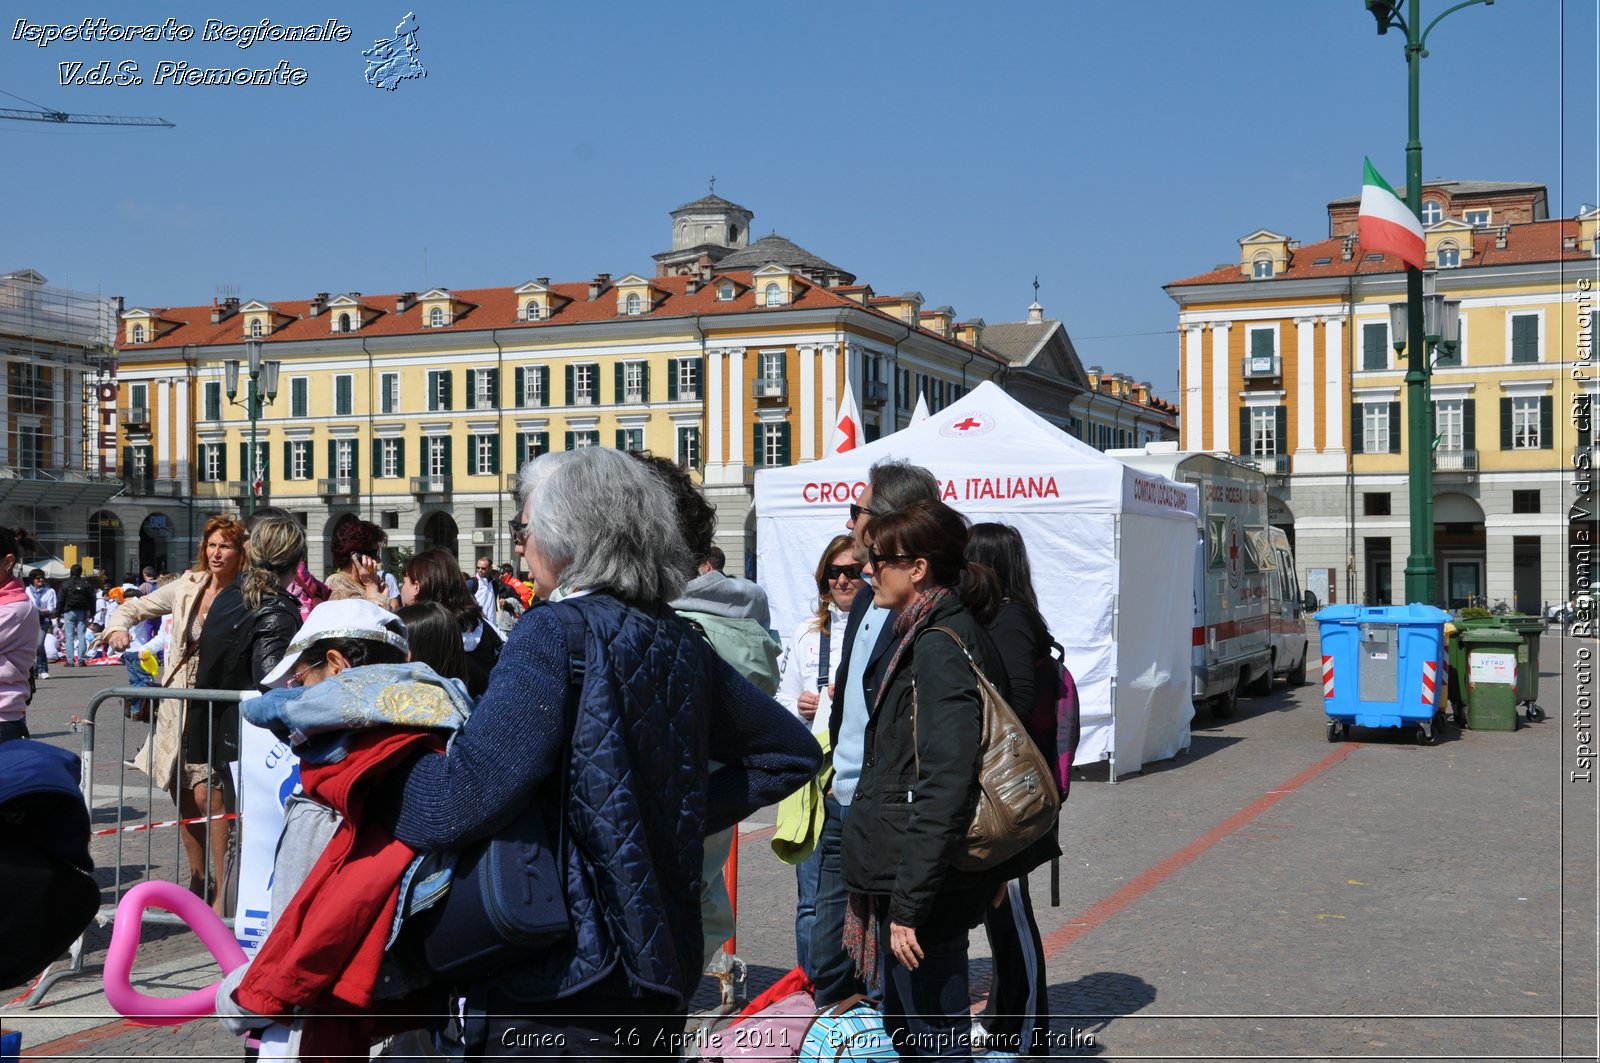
<point x="496" y="308"/>
<point x="1538" y="241"/>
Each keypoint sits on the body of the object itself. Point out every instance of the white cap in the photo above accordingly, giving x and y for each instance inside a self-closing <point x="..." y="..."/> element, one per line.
<point x="349" y="618"/>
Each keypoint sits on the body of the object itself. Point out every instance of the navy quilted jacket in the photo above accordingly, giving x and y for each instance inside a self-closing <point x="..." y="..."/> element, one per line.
<point x="657" y="703"/>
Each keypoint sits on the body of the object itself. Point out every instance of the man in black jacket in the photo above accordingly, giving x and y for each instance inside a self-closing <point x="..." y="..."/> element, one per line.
<point x="77" y="604"/>
<point x="891" y="486"/>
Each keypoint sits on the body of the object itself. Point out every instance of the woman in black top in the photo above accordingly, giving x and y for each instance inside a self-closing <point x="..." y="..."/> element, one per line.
<point x="1017" y="1016"/>
<point x="435" y="576"/>
<point x="245" y="634"/>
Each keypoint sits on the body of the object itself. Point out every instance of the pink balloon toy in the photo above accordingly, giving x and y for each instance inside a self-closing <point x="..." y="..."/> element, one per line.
<point x="125" y="930"/>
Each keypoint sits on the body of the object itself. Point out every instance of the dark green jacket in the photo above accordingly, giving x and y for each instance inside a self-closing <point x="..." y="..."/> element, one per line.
<point x="903" y="826"/>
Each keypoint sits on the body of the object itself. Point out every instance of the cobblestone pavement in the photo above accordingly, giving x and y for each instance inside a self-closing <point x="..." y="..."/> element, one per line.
<point x="1266" y="896"/>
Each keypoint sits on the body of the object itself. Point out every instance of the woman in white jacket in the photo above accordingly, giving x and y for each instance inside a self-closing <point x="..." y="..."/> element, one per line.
<point x="803" y="689"/>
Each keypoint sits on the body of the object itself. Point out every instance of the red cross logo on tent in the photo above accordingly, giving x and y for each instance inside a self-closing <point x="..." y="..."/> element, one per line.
<point x="975" y="423"/>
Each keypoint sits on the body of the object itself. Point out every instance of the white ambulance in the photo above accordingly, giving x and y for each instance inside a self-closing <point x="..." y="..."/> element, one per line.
<point x="1249" y="623"/>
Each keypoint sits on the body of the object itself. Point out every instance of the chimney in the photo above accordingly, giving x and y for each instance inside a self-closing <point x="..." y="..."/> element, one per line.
<point x="405" y="302"/>
<point x="116" y="305"/>
<point x="1035" y="314"/>
<point x="598" y="285"/>
<point x="691" y="286"/>
<point x="545" y="281"/>
<point x="1093" y="372"/>
<point x="221" y="313"/>
<point x="1501" y="235"/>
<point x="1569" y="242"/>
<point x="1347" y="252"/>
<point x="319" y="304"/>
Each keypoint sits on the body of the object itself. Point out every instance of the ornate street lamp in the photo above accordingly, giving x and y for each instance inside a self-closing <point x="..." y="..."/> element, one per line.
<point x="1422" y="578"/>
<point x="261" y="390"/>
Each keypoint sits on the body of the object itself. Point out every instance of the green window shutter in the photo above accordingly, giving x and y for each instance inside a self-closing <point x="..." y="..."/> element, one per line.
<point x="1469" y="424"/>
<point x="494" y="388"/>
<point x="345" y="398"/>
<point x="569" y="434"/>
<point x="433" y="389"/>
<point x="447" y="378"/>
<point x="400" y="457"/>
<point x="761" y="449"/>
<point x="572" y="374"/>
<point x="1358" y="429"/>
<point x="448" y="446"/>
<point x="644" y="381"/>
<point x="427" y="456"/>
<point x="1374" y="353"/>
<point x="1505" y="424"/>
<point x="519" y="380"/>
<point x="472" y="389"/>
<point x="245" y="472"/>
<point x="222" y="462"/>
<point x="544" y="385"/>
<point x="333" y="458"/>
<point x="1525" y="338"/>
<point x="622" y="440"/>
<point x="522" y="449"/>
<point x="288" y="457"/>
<point x="494" y="455"/>
<point x="355" y="459"/>
<point x="783" y="444"/>
<point x="672" y="379"/>
<point x="617" y="396"/>
<point x="1395" y="428"/>
<point x="1243" y="446"/>
<point x="1283" y="430"/>
<point x="213" y="402"/>
<point x="1261" y="345"/>
<point x="127" y="463"/>
<point x="1547" y="440"/>
<point x="541" y="444"/>
<point x="377" y="458"/>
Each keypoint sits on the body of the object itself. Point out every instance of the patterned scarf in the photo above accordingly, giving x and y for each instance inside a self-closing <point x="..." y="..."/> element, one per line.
<point x="908" y="625"/>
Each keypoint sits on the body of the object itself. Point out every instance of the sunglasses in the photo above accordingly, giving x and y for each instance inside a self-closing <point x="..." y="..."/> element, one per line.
<point x="857" y="510"/>
<point x="887" y="559"/>
<point x="299" y="678"/>
<point x="519" y="531"/>
<point x="833" y="572"/>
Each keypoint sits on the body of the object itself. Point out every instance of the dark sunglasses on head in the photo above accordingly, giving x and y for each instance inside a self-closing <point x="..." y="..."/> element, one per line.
<point x="887" y="559"/>
<point x="519" y="532"/>
<point x="857" y="510"/>
<point x="833" y="572"/>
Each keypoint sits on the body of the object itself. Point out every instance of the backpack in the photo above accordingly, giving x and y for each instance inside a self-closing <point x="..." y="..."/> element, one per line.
<point x="1062" y="704"/>
<point x="743" y="643"/>
<point x="850" y="1030"/>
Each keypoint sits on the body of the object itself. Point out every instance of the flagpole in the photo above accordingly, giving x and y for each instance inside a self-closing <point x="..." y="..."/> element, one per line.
<point x="1422" y="577"/>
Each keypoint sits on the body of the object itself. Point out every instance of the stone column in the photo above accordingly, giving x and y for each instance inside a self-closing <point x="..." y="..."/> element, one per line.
<point x="1305" y="436"/>
<point x="1193" y="399"/>
<point x="162" y="428"/>
<point x="1221" y="408"/>
<point x="1335" y="396"/>
<point x="738" y="403"/>
<point x="808" y="402"/>
<point x="185" y="452"/>
<point x="714" y="406"/>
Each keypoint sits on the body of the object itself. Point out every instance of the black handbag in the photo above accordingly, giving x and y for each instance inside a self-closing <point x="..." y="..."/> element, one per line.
<point x="507" y="897"/>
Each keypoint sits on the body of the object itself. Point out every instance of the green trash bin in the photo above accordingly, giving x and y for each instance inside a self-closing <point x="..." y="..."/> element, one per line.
<point x="1457" y="655"/>
<point x="1530" y="628"/>
<point x="1490" y="678"/>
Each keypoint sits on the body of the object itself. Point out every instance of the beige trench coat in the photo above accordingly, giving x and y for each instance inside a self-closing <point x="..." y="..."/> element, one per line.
<point x="159" y="756"/>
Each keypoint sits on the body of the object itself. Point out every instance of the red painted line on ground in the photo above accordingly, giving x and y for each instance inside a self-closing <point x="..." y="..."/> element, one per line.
<point x="1152" y="877"/>
<point x="74" y="1043"/>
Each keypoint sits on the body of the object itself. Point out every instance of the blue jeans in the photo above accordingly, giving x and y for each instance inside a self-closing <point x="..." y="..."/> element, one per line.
<point x="926" y="1011"/>
<point x="41" y="663"/>
<point x="75" y="625"/>
<point x="805" y="909"/>
<point x="833" y="971"/>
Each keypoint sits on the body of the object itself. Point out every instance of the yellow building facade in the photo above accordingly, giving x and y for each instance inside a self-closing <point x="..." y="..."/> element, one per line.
<point x="1287" y="358"/>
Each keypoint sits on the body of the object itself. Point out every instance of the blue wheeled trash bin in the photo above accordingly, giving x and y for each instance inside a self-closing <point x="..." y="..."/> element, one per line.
<point x="1382" y="666"/>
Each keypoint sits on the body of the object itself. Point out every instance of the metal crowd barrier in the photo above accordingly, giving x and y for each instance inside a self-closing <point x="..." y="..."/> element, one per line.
<point x="129" y="826"/>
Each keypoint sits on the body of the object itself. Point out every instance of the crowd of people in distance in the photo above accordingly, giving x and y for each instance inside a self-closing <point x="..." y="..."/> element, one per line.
<point x="627" y="703"/>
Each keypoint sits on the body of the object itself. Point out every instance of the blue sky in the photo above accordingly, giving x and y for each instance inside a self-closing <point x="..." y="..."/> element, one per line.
<point x="957" y="149"/>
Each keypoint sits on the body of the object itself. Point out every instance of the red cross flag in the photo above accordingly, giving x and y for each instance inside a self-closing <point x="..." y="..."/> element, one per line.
<point x="847" y="426"/>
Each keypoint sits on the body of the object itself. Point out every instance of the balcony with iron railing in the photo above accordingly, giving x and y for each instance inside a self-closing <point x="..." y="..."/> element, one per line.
<point x="134" y="416"/>
<point x="769" y="388"/>
<point x="1455" y="460"/>
<point x="1263" y="367"/>
<point x="430" y="485"/>
<point x="337" y="487"/>
<point x="875" y="393"/>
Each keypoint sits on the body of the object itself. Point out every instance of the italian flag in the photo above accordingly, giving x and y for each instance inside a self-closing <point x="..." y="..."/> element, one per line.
<point x="1387" y="224"/>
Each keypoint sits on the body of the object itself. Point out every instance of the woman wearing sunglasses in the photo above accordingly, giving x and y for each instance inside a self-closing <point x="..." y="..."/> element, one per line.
<point x="803" y="690"/>
<point x="910" y="908"/>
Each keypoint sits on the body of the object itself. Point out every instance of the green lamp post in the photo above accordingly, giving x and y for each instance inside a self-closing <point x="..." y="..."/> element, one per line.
<point x="262" y="389"/>
<point x="1422" y="578"/>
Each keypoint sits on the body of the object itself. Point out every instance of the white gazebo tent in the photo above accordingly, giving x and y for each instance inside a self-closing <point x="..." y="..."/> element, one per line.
<point x="1112" y="550"/>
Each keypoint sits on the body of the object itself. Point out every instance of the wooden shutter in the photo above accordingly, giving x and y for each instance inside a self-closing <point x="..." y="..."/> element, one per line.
<point x="1261" y="345"/>
<point x="1244" y="431"/>
<point x="433" y="389"/>
<point x="343" y="395"/>
<point x="1525" y="338"/>
<point x="1469" y="424"/>
<point x="520" y="385"/>
<point x="288" y="458"/>
<point x="621" y="376"/>
<point x="1374" y="354"/>
<point x="222" y="462"/>
<point x="494" y="455"/>
<point x="449" y="455"/>
<point x="544" y="384"/>
<point x="1358" y="429"/>
<point x="570" y="439"/>
<point x="644" y="381"/>
<point x="541" y="443"/>
<point x="622" y="439"/>
<point x="572" y="373"/>
<point x="1283" y="431"/>
<point x="672" y="379"/>
<point x="783" y="444"/>
<point x="377" y="458"/>
<point x="355" y="460"/>
<point x="400" y="457"/>
<point x="761" y="450"/>
<point x="245" y="472"/>
<point x="333" y="459"/>
<point x="427" y="456"/>
<point x="446" y="384"/>
<point x="1547" y="440"/>
<point x="1505" y="424"/>
<point x="472" y="389"/>
<point x="522" y="447"/>
<point x="1395" y="435"/>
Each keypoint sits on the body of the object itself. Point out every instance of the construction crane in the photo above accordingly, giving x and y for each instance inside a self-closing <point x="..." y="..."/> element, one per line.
<point x="82" y="119"/>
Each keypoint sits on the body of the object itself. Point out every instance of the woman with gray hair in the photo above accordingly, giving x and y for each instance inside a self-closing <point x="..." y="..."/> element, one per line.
<point x="603" y="712"/>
